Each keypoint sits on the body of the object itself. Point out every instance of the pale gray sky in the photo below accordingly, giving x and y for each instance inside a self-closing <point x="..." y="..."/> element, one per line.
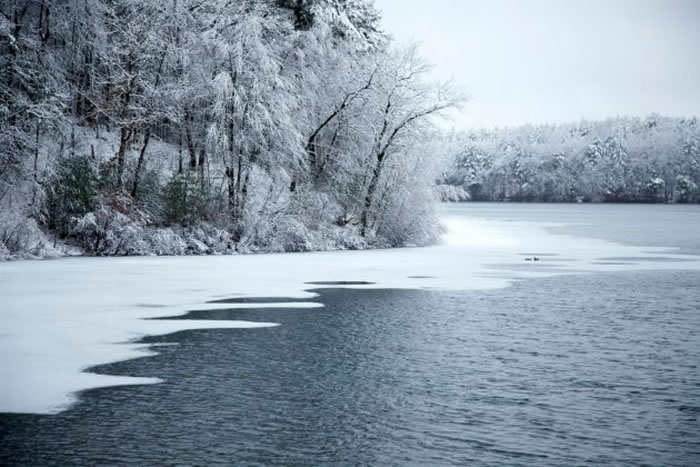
<point x="539" y="61"/>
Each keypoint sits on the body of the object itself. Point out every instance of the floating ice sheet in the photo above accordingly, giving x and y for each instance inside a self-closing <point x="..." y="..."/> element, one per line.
<point x="59" y="318"/>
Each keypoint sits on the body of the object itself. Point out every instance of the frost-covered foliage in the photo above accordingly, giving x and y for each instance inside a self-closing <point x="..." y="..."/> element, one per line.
<point x="656" y="159"/>
<point x="134" y="127"/>
<point x="114" y="227"/>
<point x="21" y="237"/>
<point x="117" y="227"/>
<point x="452" y="193"/>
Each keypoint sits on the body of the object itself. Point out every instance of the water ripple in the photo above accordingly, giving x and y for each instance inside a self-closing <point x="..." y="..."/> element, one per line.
<point x="521" y="376"/>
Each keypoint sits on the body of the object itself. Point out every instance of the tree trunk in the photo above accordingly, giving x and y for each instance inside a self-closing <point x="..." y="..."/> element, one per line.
<point x="235" y="215"/>
<point x="369" y="197"/>
<point x="190" y="143"/>
<point x="36" y="167"/>
<point x="231" y="191"/>
<point x="311" y="154"/>
<point x="124" y="136"/>
<point x="179" y="153"/>
<point x="202" y="160"/>
<point x="139" y="164"/>
<point x="44" y="31"/>
<point x="243" y="195"/>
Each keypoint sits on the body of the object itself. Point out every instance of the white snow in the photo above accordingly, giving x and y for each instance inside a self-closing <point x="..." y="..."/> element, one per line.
<point x="58" y="318"/>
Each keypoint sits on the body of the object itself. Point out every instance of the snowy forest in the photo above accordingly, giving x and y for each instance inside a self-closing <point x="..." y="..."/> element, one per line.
<point x="651" y="160"/>
<point x="135" y="127"/>
<point x="171" y="127"/>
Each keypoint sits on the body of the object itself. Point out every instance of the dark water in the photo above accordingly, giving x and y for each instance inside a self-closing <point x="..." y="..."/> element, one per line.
<point x="597" y="369"/>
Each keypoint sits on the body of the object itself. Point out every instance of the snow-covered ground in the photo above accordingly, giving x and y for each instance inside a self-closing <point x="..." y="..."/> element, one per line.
<point x="60" y="317"/>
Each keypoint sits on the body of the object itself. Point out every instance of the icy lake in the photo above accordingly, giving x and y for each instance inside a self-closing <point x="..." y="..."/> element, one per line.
<point x="470" y="352"/>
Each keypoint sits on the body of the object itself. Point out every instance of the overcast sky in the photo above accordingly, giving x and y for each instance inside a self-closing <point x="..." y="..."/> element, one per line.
<point x="538" y="61"/>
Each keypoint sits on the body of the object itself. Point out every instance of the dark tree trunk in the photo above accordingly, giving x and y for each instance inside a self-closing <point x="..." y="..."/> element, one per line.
<point x="369" y="197"/>
<point x="36" y="167"/>
<point x="179" y="153"/>
<point x="139" y="164"/>
<point x="124" y="137"/>
<point x="202" y="160"/>
<point x="190" y="142"/>
<point x="44" y="30"/>
<point x="231" y="191"/>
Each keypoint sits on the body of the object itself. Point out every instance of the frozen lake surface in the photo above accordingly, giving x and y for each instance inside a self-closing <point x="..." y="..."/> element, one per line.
<point x="589" y="356"/>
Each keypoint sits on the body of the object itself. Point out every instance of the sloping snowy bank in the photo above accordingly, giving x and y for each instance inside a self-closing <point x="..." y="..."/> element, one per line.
<point x="59" y="318"/>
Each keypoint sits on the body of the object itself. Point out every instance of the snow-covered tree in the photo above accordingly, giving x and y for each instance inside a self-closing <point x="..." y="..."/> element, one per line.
<point x="613" y="160"/>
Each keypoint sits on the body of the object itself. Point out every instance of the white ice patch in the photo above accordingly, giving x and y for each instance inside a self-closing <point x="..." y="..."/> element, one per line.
<point x="475" y="233"/>
<point x="61" y="317"/>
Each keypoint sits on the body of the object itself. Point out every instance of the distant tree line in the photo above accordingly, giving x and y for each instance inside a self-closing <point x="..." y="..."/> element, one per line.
<point x="206" y="126"/>
<point x="651" y="160"/>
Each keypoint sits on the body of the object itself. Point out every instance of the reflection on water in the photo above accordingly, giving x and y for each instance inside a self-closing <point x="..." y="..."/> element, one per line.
<point x="544" y="372"/>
